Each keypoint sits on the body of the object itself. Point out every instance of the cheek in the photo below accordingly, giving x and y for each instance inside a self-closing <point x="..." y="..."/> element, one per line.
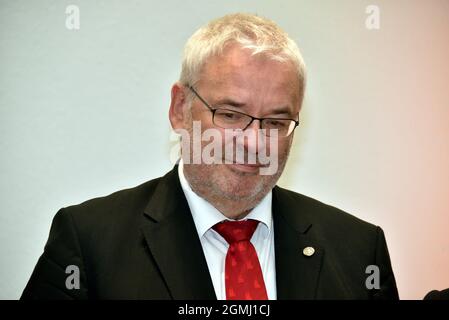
<point x="283" y="147"/>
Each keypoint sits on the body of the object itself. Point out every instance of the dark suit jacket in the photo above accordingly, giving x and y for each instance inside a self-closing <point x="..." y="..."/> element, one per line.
<point x="437" y="295"/>
<point x="141" y="243"/>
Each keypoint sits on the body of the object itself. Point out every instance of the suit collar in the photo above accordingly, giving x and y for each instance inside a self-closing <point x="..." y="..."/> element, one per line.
<point x="297" y="274"/>
<point x="161" y="205"/>
<point x="170" y="233"/>
<point x="290" y="210"/>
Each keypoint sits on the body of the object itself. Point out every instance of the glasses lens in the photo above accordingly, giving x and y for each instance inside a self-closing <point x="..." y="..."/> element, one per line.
<point x="282" y="126"/>
<point x="229" y="119"/>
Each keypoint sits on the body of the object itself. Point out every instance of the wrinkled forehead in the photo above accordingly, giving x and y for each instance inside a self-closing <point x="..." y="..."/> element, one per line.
<point x="238" y="70"/>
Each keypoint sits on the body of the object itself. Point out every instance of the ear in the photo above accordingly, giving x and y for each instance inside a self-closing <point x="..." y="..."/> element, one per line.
<point x="178" y="106"/>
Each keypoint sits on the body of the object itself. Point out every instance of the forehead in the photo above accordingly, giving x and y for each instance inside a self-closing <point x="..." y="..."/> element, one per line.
<point x="237" y="70"/>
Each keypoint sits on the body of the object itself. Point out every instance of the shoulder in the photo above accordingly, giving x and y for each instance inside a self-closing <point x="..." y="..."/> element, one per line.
<point x="121" y="207"/>
<point x="325" y="219"/>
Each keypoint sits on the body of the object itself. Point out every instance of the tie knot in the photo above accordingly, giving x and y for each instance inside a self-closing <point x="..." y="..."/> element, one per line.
<point x="235" y="231"/>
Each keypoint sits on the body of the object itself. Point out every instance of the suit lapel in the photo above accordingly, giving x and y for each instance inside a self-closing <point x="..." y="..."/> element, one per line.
<point x="170" y="233"/>
<point x="296" y="273"/>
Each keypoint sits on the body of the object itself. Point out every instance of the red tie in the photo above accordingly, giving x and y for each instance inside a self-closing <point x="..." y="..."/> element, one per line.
<point x="243" y="275"/>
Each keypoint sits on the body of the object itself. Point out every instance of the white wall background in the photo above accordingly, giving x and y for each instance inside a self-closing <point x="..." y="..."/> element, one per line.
<point x="84" y="113"/>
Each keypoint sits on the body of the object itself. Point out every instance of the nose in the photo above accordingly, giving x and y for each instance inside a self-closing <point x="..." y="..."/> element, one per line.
<point x="254" y="125"/>
<point x="254" y="139"/>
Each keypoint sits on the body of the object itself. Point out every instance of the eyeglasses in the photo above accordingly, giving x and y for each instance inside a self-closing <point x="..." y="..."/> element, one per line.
<point x="230" y="119"/>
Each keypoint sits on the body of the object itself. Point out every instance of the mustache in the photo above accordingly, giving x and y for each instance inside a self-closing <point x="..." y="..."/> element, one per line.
<point x="255" y="163"/>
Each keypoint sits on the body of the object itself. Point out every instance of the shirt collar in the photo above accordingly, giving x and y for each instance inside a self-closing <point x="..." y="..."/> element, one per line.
<point x="205" y="215"/>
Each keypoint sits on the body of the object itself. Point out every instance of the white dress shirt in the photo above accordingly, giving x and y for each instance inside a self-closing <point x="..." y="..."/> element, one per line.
<point x="215" y="246"/>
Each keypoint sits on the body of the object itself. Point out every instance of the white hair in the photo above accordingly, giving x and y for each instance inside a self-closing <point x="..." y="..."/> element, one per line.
<point x="258" y="34"/>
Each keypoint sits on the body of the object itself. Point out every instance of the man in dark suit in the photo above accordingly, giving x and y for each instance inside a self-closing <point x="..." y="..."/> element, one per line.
<point x="221" y="228"/>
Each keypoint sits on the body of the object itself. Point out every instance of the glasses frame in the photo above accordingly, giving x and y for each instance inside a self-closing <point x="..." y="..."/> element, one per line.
<point x="213" y="110"/>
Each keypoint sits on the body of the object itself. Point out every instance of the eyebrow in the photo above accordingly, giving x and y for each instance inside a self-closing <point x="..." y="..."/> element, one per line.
<point x="283" y="110"/>
<point x="230" y="102"/>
